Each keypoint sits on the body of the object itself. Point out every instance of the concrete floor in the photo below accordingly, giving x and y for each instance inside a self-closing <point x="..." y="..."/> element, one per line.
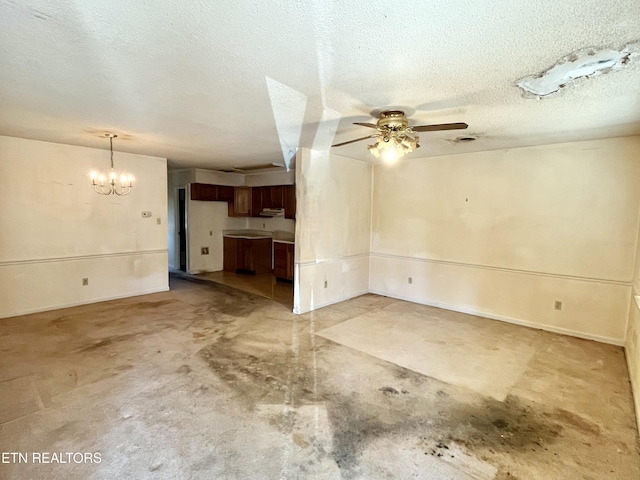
<point x="264" y="284"/>
<point x="206" y="381"/>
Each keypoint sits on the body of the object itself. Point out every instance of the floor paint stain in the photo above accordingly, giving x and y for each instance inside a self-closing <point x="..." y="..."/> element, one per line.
<point x="484" y="428"/>
<point x="105" y="342"/>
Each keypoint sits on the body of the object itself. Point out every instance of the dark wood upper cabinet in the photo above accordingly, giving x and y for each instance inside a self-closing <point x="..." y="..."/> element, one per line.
<point x="257" y="203"/>
<point x="276" y="196"/>
<point x="211" y="193"/>
<point x="248" y="201"/>
<point x="241" y="204"/>
<point x="225" y="193"/>
<point x="202" y="191"/>
<point x="290" y="201"/>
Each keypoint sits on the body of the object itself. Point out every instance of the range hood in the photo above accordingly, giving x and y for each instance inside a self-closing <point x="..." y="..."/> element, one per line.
<point x="272" y="212"/>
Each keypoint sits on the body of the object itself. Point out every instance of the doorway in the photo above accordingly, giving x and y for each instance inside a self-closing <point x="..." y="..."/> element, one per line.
<point x="182" y="228"/>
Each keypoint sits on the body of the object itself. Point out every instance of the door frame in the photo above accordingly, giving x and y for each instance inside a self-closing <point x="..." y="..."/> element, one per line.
<point x="186" y="225"/>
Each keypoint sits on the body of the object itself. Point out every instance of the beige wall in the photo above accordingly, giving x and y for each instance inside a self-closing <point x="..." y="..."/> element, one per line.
<point x="506" y="233"/>
<point x="632" y="344"/>
<point x="332" y="229"/>
<point x="280" y="177"/>
<point x="55" y="230"/>
<point x="632" y="350"/>
<point x="206" y="222"/>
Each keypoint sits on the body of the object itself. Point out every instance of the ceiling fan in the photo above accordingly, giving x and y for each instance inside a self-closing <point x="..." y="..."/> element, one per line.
<point x="395" y="137"/>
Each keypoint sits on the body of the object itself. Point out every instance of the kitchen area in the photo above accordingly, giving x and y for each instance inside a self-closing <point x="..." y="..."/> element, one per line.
<point x="242" y="235"/>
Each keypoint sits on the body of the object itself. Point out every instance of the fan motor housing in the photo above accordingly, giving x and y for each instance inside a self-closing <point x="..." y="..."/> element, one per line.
<point x="393" y="119"/>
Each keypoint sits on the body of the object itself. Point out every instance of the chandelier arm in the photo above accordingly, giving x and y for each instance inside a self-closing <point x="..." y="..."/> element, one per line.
<point x="101" y="191"/>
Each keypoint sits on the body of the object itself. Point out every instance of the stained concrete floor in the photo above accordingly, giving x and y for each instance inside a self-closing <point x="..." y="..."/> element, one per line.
<point x="263" y="284"/>
<point x="206" y="381"/>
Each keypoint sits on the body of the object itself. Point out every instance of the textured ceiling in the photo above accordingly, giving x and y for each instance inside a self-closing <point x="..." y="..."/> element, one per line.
<point x="221" y="84"/>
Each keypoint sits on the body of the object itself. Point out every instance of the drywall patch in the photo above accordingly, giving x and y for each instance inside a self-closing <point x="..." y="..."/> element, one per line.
<point x="582" y="63"/>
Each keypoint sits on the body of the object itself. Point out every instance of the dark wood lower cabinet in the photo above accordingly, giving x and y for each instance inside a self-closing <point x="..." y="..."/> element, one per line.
<point x="246" y="255"/>
<point x="283" y="260"/>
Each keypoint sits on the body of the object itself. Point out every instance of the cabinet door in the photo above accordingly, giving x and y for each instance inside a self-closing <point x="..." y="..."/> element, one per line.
<point x="276" y="194"/>
<point x="245" y="254"/>
<point x="257" y="204"/>
<point x="261" y="255"/>
<point x="290" y="263"/>
<point x="202" y="191"/>
<point x="224" y="193"/>
<point x="283" y="260"/>
<point x="241" y="205"/>
<point x="211" y="193"/>
<point x="280" y="260"/>
<point x="230" y="254"/>
<point x="290" y="201"/>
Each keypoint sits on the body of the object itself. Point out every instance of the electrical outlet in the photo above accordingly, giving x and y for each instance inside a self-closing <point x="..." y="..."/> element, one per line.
<point x="145" y="214"/>
<point x="204" y="250"/>
<point x="410" y="281"/>
<point x="158" y="221"/>
<point x="557" y="305"/>
<point x="85" y="282"/>
<point x="326" y="284"/>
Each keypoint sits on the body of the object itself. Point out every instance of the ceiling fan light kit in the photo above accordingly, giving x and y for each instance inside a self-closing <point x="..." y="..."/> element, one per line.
<point x="390" y="147"/>
<point x="395" y="138"/>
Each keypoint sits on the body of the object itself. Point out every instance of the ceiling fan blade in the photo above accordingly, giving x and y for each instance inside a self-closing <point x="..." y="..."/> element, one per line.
<point x="370" y="125"/>
<point x="353" y="141"/>
<point x="440" y="126"/>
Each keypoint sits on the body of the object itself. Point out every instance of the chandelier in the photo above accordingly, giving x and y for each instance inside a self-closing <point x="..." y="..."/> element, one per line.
<point x="392" y="144"/>
<point x="112" y="184"/>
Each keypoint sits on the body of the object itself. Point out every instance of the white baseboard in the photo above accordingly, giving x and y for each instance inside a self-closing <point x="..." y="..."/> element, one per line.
<point x="502" y="318"/>
<point x="333" y="302"/>
<point x="635" y="389"/>
<point x="84" y="302"/>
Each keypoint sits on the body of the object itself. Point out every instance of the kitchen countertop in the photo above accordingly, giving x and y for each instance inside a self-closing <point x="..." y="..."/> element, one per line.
<point x="252" y="236"/>
<point x="279" y="240"/>
<point x="277" y="236"/>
